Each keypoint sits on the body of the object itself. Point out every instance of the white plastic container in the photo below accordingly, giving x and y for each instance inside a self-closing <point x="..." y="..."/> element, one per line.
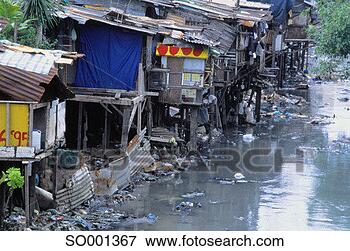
<point x="36" y="140"/>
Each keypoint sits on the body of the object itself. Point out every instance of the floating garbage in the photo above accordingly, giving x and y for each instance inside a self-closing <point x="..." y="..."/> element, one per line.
<point x="187" y="206"/>
<point x="193" y="195"/>
<point x="239" y="176"/>
<point x="227" y="182"/>
<point x="248" y="138"/>
<point x="345" y="99"/>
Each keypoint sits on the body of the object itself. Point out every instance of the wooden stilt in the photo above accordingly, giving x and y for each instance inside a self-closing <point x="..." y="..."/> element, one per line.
<point x="258" y="104"/>
<point x="2" y="203"/>
<point x="139" y="118"/>
<point x="27" y="173"/>
<point x="105" y="134"/>
<point x="54" y="175"/>
<point x="193" y="128"/>
<point x="149" y="117"/>
<point x="80" y="121"/>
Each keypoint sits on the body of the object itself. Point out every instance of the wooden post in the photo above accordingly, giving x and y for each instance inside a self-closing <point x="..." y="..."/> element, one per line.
<point x="32" y="197"/>
<point x="27" y="173"/>
<point x="125" y="128"/>
<point x="104" y="138"/>
<point x="238" y="97"/>
<point x="273" y="64"/>
<point x="2" y="202"/>
<point x="80" y="121"/>
<point x="149" y="117"/>
<point x="54" y="181"/>
<point x="258" y="104"/>
<point x="224" y="112"/>
<point x="307" y="55"/>
<point x="140" y="80"/>
<point x="193" y="128"/>
<point x="139" y="117"/>
<point x="8" y="117"/>
<point x="303" y="56"/>
<point x="85" y="138"/>
<point x="149" y="53"/>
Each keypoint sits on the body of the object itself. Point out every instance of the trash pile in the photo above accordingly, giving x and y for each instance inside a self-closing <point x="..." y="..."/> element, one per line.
<point x="91" y="216"/>
<point x="283" y="106"/>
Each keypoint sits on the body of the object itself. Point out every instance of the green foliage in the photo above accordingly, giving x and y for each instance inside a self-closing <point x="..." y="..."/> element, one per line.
<point x="325" y="69"/>
<point x="26" y="33"/>
<point x="10" y="10"/>
<point x="13" y="178"/>
<point x="41" y="10"/>
<point x="333" y="33"/>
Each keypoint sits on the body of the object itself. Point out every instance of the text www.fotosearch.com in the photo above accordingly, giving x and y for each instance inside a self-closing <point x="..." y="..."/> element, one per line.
<point x="196" y="241"/>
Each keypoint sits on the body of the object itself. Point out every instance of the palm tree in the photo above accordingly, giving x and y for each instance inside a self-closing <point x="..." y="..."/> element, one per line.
<point x="43" y="11"/>
<point x="11" y="11"/>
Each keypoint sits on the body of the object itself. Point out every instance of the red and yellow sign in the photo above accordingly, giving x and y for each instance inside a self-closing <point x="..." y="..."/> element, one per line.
<point x="181" y="52"/>
<point x="19" y="125"/>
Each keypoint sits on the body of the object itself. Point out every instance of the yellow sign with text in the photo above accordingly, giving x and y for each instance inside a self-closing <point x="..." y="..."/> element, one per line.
<point x="19" y="124"/>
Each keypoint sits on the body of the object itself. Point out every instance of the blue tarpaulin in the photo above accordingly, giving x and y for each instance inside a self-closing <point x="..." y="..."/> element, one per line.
<point x="112" y="57"/>
<point x="279" y="8"/>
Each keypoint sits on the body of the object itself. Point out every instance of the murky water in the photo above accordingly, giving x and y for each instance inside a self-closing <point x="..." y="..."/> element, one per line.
<point x="309" y="193"/>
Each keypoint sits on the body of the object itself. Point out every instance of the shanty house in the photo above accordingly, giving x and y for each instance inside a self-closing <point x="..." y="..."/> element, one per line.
<point x="32" y="111"/>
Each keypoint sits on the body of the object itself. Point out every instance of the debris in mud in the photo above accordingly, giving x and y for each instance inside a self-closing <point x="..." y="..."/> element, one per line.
<point x="186" y="206"/>
<point x="91" y="216"/>
<point x="322" y="120"/>
<point x="123" y="196"/>
<point x="192" y="195"/>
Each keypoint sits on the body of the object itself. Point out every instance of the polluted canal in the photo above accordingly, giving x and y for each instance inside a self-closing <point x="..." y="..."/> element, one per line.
<point x="307" y="132"/>
<point x="310" y="191"/>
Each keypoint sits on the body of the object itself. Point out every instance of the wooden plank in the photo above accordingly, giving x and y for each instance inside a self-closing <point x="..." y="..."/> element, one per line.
<point x="102" y="99"/>
<point x="132" y="116"/>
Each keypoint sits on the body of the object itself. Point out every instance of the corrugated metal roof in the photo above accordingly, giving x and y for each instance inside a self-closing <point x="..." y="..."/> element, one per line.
<point x="82" y="15"/>
<point x="37" y="63"/>
<point x="23" y="85"/>
<point x="29" y="59"/>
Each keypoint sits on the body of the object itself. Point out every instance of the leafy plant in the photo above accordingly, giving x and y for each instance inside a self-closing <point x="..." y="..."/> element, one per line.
<point x="13" y="179"/>
<point x="11" y="11"/>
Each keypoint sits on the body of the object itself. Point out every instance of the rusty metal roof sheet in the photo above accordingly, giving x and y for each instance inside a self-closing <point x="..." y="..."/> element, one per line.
<point x="23" y="85"/>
